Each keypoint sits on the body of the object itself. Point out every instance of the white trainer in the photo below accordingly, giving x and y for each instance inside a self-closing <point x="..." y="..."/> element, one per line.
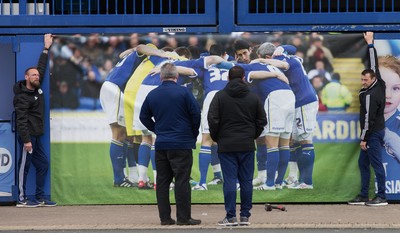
<point x="302" y="186"/>
<point x="258" y="181"/>
<point x="289" y="181"/>
<point x="198" y="187"/>
<point x="264" y="187"/>
<point x="215" y="181"/>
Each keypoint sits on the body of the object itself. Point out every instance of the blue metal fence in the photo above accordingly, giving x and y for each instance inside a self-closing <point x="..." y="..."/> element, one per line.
<point x="319" y="14"/>
<point x="79" y="16"/>
<point x="59" y="14"/>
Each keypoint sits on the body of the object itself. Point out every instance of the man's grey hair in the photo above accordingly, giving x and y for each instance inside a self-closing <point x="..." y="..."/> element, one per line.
<point x="168" y="71"/>
<point x="266" y="49"/>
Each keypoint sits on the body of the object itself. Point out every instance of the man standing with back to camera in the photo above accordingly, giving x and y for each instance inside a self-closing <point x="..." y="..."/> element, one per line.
<point x="372" y="104"/>
<point x="236" y="118"/>
<point x="176" y="124"/>
<point x="29" y="109"/>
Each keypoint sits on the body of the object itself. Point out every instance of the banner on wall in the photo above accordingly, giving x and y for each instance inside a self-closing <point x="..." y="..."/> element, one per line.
<point x="7" y="163"/>
<point x="81" y="135"/>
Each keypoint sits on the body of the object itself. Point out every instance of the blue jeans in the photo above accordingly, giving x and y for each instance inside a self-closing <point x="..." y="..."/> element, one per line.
<point x="237" y="166"/>
<point x="372" y="157"/>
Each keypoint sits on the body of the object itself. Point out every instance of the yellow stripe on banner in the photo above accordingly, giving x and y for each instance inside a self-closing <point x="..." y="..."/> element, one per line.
<point x="130" y="93"/>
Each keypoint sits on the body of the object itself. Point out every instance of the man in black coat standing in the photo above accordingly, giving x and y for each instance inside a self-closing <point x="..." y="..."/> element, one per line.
<point x="29" y="108"/>
<point x="236" y="118"/>
<point x="372" y="121"/>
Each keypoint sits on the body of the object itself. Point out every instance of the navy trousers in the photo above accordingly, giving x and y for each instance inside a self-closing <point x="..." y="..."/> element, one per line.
<point x="237" y="166"/>
<point x="372" y="157"/>
<point x="39" y="160"/>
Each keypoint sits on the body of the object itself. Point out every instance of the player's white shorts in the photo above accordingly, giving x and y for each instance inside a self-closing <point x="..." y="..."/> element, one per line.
<point x="206" y="106"/>
<point x="279" y="107"/>
<point x="305" y="121"/>
<point x="143" y="91"/>
<point x="112" y="102"/>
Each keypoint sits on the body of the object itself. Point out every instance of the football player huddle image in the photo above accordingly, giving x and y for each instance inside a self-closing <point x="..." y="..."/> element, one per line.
<point x="299" y="151"/>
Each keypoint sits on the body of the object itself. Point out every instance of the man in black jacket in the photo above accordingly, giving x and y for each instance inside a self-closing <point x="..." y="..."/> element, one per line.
<point x="29" y="108"/>
<point x="236" y="118"/>
<point x="372" y="121"/>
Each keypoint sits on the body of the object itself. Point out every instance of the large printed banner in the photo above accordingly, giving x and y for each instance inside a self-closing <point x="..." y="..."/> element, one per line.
<point x="7" y="161"/>
<point x="82" y="171"/>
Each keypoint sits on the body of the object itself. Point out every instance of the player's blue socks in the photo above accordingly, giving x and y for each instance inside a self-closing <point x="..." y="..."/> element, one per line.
<point x="261" y="157"/>
<point x="204" y="161"/>
<point x="144" y="154"/>
<point x="284" y="155"/>
<point x="295" y="152"/>
<point x="143" y="161"/>
<point x="117" y="160"/>
<point x="305" y="162"/>
<point x="130" y="154"/>
<point x="272" y="165"/>
<point x="153" y="157"/>
<point x="215" y="162"/>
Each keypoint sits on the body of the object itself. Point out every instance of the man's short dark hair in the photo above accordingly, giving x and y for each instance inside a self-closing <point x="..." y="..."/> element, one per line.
<point x="184" y="52"/>
<point x="368" y="71"/>
<point x="236" y="72"/>
<point x="216" y="50"/>
<point x="167" y="49"/>
<point x="195" y="51"/>
<point x="241" y="44"/>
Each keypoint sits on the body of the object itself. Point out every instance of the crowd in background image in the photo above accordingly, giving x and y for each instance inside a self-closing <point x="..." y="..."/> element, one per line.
<point x="81" y="63"/>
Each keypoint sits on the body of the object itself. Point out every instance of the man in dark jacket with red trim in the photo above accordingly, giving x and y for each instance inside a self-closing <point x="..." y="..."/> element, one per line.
<point x="372" y="121"/>
<point x="236" y="118"/>
<point x="29" y="108"/>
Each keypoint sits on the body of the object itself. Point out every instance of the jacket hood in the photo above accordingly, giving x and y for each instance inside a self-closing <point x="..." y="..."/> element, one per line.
<point x="20" y="87"/>
<point x="237" y="88"/>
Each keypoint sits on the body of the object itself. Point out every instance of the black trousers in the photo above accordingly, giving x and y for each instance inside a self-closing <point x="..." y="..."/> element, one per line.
<point x="174" y="164"/>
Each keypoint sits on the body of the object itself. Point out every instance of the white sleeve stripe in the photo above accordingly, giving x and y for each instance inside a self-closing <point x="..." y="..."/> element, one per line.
<point x="366" y="124"/>
<point x="248" y="79"/>
<point x="195" y="74"/>
<point x="372" y="59"/>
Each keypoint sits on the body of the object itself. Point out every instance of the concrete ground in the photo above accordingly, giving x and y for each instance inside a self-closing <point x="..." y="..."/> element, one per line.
<point x="146" y="217"/>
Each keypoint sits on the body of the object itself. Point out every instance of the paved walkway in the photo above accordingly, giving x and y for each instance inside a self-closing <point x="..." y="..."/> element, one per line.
<point x="146" y="217"/>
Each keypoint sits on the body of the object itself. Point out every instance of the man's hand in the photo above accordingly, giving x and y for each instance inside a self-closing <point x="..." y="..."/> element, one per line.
<point x="369" y="37"/>
<point x="28" y="147"/>
<point x="392" y="144"/>
<point x="278" y="51"/>
<point x="155" y="70"/>
<point x="363" y="145"/>
<point x="281" y="76"/>
<point x="48" y="40"/>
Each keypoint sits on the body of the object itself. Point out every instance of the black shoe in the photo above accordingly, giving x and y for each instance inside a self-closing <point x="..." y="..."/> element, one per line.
<point x="359" y="200"/>
<point x="377" y="201"/>
<point x="168" y="222"/>
<point x="189" y="222"/>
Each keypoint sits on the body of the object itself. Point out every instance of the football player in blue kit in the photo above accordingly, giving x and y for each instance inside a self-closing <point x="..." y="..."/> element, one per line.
<point x="302" y="147"/>
<point x="112" y="102"/>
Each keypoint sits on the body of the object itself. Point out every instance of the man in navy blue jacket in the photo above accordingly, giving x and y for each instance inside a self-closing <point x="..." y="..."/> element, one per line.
<point x="176" y="123"/>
